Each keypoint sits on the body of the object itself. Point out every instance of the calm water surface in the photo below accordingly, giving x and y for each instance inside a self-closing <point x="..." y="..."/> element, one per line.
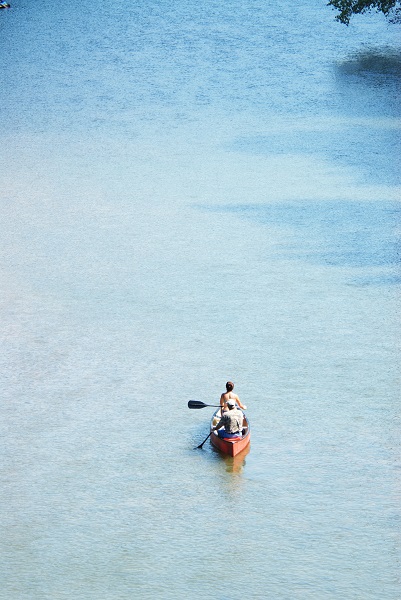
<point x="190" y="193"/>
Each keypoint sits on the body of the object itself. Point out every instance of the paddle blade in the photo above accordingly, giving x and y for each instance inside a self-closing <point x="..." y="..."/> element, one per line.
<point x="196" y="404"/>
<point x="199" y="404"/>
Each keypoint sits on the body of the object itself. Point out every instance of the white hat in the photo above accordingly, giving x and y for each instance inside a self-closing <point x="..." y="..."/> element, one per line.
<point x="231" y="402"/>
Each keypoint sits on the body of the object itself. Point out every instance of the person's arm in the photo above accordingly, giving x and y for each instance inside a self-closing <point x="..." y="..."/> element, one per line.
<point x="240" y="404"/>
<point x="219" y="424"/>
<point x="222" y="403"/>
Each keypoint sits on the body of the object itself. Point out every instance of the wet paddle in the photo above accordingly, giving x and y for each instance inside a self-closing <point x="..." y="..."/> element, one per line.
<point x="199" y="404"/>
<point x="200" y="445"/>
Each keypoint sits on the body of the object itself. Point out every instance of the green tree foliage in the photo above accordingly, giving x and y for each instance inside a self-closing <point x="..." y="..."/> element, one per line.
<point x="390" y="8"/>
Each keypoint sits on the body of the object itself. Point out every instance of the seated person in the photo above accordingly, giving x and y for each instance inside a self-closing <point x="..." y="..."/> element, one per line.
<point x="232" y="421"/>
<point x="229" y="395"/>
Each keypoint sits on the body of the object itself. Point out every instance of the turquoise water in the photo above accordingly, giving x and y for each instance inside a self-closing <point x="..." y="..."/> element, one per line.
<point x="191" y="193"/>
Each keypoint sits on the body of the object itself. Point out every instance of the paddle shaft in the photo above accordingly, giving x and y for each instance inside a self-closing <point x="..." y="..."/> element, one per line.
<point x="199" y="404"/>
<point x="205" y="440"/>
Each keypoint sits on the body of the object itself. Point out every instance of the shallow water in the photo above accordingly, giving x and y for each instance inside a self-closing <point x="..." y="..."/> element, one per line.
<point x="192" y="193"/>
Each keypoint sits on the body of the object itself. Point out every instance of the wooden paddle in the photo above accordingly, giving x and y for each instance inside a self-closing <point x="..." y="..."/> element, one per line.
<point x="199" y="404"/>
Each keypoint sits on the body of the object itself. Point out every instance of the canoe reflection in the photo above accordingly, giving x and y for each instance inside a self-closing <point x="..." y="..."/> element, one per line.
<point x="234" y="464"/>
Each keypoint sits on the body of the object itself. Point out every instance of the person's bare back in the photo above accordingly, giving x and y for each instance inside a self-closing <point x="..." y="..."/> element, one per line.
<point x="229" y="395"/>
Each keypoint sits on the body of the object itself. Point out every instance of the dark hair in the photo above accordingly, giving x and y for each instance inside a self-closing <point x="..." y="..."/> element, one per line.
<point x="229" y="386"/>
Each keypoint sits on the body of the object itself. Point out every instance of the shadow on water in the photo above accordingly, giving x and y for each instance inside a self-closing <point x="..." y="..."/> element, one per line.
<point x="367" y="86"/>
<point x="345" y="234"/>
<point x="372" y="62"/>
<point x="368" y="83"/>
<point x="341" y="145"/>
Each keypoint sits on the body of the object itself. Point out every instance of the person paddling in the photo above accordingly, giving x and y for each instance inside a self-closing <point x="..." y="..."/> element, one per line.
<point x="229" y="395"/>
<point x="231" y="421"/>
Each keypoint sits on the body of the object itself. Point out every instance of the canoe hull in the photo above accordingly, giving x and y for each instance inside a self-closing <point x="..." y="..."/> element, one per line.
<point x="234" y="446"/>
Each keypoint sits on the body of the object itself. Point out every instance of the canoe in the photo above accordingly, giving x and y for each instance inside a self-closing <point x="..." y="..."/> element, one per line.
<point x="230" y="446"/>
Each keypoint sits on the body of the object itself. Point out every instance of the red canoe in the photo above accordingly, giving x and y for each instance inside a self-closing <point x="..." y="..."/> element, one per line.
<point x="230" y="446"/>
